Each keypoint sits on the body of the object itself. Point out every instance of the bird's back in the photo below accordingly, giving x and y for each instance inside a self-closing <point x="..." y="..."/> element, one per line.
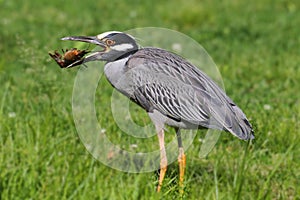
<point x="163" y="81"/>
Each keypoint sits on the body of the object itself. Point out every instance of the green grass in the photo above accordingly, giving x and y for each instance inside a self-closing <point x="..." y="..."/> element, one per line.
<point x="256" y="46"/>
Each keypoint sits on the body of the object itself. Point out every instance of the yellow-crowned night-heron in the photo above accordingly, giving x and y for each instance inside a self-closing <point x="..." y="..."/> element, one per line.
<point x="169" y="88"/>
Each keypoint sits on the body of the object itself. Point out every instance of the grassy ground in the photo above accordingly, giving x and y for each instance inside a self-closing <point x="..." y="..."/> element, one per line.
<point x="256" y="46"/>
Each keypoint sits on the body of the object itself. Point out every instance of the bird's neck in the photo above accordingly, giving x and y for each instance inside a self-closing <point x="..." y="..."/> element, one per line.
<point x="114" y="71"/>
<point x="127" y="54"/>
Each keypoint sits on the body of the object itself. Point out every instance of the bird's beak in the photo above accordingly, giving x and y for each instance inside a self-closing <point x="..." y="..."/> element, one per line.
<point x="88" y="39"/>
<point x="95" y="55"/>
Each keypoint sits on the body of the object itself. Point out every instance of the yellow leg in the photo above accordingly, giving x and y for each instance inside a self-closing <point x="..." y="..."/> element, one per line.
<point x="163" y="159"/>
<point x="181" y="161"/>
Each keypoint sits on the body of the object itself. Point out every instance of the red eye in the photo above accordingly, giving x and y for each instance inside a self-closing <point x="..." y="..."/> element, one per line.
<point x="109" y="42"/>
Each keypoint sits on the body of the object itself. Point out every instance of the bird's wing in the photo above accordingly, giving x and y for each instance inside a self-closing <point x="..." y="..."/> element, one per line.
<point x="168" y="83"/>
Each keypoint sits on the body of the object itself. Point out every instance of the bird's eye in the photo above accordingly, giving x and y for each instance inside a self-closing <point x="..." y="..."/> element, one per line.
<point x="109" y="42"/>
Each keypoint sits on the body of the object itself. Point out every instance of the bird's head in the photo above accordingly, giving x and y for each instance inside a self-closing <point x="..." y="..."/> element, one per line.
<point x="114" y="45"/>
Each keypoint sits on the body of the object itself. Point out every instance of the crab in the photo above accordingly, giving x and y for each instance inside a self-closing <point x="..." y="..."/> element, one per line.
<point x="70" y="58"/>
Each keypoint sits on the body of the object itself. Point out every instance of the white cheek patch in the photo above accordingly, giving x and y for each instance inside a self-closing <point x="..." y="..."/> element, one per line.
<point x="122" y="47"/>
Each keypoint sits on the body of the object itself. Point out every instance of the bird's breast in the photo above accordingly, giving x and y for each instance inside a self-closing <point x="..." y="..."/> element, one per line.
<point x="119" y="77"/>
<point x="115" y="70"/>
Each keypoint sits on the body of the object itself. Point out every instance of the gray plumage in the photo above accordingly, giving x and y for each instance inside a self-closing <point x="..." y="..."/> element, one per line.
<point x="159" y="80"/>
<point x="168" y="87"/>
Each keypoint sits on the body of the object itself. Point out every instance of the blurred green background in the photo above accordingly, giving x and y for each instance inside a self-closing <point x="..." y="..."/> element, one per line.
<point x="255" y="44"/>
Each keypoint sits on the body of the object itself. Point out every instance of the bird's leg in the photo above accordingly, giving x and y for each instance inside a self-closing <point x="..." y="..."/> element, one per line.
<point x="181" y="160"/>
<point x="163" y="158"/>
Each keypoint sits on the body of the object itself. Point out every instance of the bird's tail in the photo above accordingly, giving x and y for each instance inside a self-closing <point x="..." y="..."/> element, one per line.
<point x="240" y="125"/>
